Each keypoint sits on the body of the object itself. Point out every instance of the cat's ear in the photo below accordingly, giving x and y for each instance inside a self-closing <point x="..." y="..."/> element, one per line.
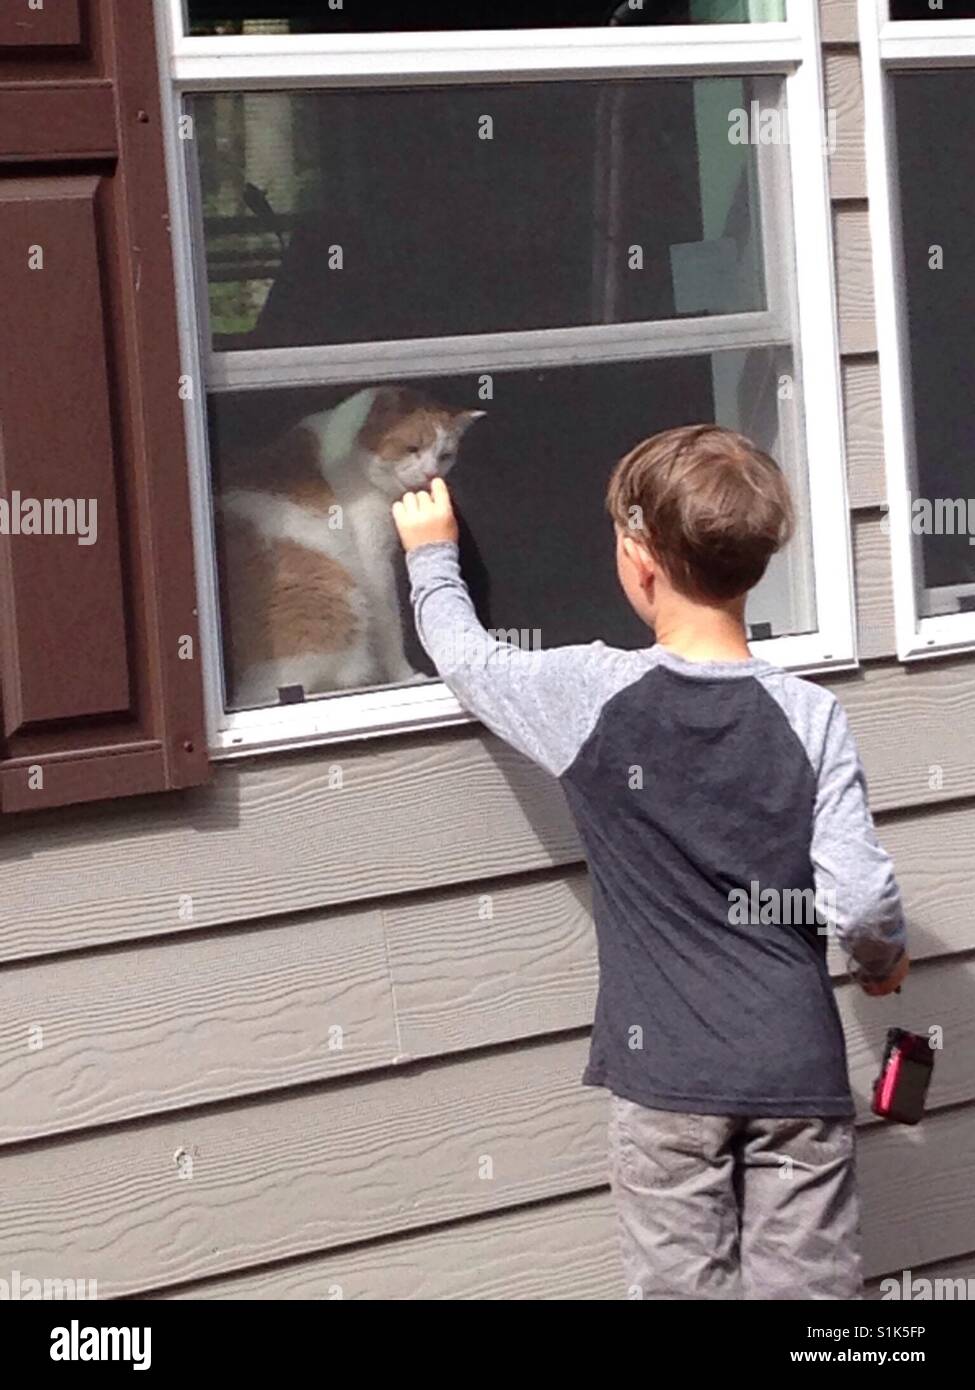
<point x="466" y="418"/>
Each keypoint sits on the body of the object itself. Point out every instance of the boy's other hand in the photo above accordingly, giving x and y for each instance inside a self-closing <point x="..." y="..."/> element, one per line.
<point x="424" y="517"/>
<point x="893" y="980"/>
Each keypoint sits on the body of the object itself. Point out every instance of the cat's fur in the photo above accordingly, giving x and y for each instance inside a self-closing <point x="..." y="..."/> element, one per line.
<point x="309" y="546"/>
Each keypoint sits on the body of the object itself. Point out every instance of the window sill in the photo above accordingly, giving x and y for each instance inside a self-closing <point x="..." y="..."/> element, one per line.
<point x="336" y="719"/>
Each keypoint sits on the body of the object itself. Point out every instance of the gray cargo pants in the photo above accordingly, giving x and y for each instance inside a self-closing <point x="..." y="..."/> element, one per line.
<point x="722" y="1207"/>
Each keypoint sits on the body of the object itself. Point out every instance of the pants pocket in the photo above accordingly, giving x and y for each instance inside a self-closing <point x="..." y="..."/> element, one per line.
<point x="656" y="1148"/>
<point x="817" y="1143"/>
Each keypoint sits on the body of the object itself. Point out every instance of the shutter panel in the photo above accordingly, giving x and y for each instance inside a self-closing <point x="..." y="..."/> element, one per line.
<point x="100" y="688"/>
<point x="43" y="23"/>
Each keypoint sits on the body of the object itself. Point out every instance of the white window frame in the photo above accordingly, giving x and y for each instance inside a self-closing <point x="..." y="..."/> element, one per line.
<point x="890" y="46"/>
<point x="790" y="49"/>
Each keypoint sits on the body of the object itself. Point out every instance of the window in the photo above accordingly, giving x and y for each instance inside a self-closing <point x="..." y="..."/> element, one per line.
<point x="545" y="247"/>
<point x="398" y="16"/>
<point x="920" y="90"/>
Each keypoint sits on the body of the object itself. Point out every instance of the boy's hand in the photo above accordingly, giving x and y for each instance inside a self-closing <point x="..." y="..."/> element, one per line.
<point x="423" y="517"/>
<point x="893" y="980"/>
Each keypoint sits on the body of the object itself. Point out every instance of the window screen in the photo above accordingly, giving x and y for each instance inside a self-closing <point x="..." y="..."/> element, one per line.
<point x="585" y="262"/>
<point x="935" y="129"/>
<point x="339" y="216"/>
<point x="529" y="485"/>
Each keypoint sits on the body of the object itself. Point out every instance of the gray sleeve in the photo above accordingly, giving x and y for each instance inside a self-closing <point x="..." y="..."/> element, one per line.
<point x="854" y="876"/>
<point x="544" y="703"/>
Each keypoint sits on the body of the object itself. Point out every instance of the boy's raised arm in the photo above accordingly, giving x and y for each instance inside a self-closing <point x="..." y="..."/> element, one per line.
<point x="535" y="700"/>
<point x="541" y="702"/>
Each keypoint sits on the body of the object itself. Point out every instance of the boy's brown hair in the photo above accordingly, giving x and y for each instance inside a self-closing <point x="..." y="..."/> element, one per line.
<point x="710" y="505"/>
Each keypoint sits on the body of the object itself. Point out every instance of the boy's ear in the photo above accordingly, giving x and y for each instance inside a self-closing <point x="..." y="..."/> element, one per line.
<point x="639" y="556"/>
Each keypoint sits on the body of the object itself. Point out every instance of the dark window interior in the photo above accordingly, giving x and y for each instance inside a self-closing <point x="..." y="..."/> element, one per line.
<point x="442" y="232"/>
<point x="935" y="120"/>
<point x="922" y="9"/>
<point x="390" y="16"/>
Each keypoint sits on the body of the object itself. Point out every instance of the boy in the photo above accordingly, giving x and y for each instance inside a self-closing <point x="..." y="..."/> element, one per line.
<point x="700" y="778"/>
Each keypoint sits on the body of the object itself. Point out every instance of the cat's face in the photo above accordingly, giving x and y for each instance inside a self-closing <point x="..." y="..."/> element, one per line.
<point x="408" y="441"/>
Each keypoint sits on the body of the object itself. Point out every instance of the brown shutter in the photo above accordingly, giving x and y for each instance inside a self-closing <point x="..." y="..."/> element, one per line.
<point x="99" y="650"/>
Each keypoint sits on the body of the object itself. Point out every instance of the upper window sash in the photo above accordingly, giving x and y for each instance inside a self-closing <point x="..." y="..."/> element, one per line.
<point x="915" y="43"/>
<point x="289" y="59"/>
<point x="626" y="340"/>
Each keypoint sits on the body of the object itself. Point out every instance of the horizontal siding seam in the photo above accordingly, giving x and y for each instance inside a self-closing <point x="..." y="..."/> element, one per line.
<point x="369" y="1075"/>
<point x="294" y="1090"/>
<point x="294" y="916"/>
<point x="426" y="893"/>
<point x="399" y="1237"/>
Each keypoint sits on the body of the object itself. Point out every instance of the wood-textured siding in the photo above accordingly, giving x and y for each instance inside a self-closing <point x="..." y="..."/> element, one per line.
<point x="197" y="1195"/>
<point x="276" y="1038"/>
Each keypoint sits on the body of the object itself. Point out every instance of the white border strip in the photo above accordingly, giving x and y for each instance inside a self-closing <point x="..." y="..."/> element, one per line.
<point x="241" y="60"/>
<point x="193" y="410"/>
<point x="337" y="718"/>
<point x="922" y="43"/>
<point x="916" y="53"/>
<point x="818" y="345"/>
<point x="755" y="38"/>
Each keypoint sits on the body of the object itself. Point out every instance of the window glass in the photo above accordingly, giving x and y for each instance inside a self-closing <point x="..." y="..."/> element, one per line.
<point x="932" y="9"/>
<point x="935" y="129"/>
<point x="356" y="216"/>
<point x="529" y="482"/>
<point x="392" y="16"/>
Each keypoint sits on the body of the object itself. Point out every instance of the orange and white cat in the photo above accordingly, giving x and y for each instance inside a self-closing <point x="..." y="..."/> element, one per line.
<point x="309" y="547"/>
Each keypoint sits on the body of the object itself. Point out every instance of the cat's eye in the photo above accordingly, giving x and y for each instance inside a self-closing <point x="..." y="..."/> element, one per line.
<point x="413" y="449"/>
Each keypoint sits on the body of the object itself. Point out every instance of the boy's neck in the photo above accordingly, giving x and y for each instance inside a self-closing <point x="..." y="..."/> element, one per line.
<point x="700" y="633"/>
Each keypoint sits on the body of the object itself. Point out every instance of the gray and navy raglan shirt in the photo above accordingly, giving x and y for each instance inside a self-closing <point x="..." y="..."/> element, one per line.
<point x="696" y="787"/>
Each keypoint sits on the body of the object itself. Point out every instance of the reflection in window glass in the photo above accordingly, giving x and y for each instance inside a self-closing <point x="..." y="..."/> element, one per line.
<point x="312" y="582"/>
<point x="353" y="216"/>
<point x="935" y="126"/>
<point x="932" y="9"/>
<point x="391" y="16"/>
